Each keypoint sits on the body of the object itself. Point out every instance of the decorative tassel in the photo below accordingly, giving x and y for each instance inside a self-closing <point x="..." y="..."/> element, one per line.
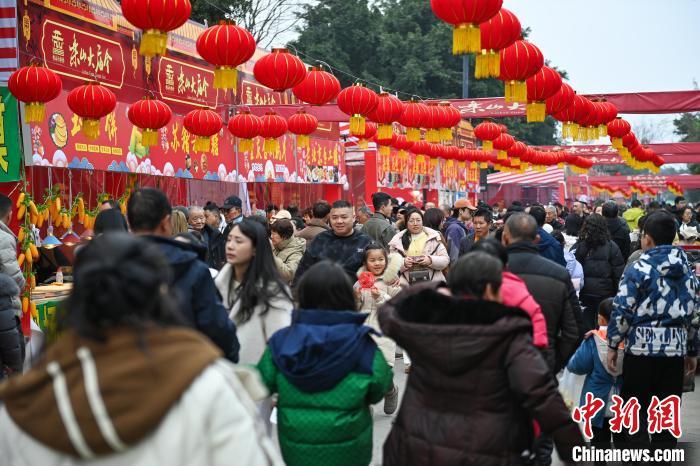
<point x="474" y="165"/>
<point x="364" y="143"/>
<point x="487" y="146"/>
<point x="535" y="112"/>
<point x="616" y="143"/>
<point x="245" y="145"/>
<point x="560" y="165"/>
<point x="516" y="91"/>
<point x="413" y="134"/>
<point x="153" y="42"/>
<point x="149" y="137"/>
<point x="602" y="131"/>
<point x="91" y="128"/>
<point x="515" y="161"/>
<point x="488" y="65"/>
<point x="384" y="151"/>
<point x="202" y="144"/>
<point x="445" y="134"/>
<point x="225" y="77"/>
<point x="466" y="38"/>
<point x="271" y="146"/>
<point x="525" y="166"/>
<point x="502" y="155"/>
<point x="385" y="131"/>
<point x="483" y="165"/>
<point x="34" y="112"/>
<point x="357" y="125"/>
<point x="432" y="135"/>
<point x="303" y="141"/>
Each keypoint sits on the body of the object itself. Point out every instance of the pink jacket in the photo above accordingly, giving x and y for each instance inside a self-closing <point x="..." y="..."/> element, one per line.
<point x="515" y="294"/>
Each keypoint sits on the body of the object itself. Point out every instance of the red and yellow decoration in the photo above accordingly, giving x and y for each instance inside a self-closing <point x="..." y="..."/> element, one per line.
<point x="519" y="61"/>
<point x="487" y="131"/>
<point x="203" y="123"/>
<point x="497" y="33"/>
<point x="273" y="127"/>
<point x="540" y="87"/>
<point x="358" y="102"/>
<point x="302" y="124"/>
<point x="388" y="110"/>
<point x="318" y="87"/>
<point x="149" y="115"/>
<point x="34" y="85"/>
<point x="226" y="46"/>
<point x="279" y="70"/>
<point x="413" y="117"/>
<point x="465" y="16"/>
<point x="156" y="18"/>
<point x="245" y="126"/>
<point x="91" y="102"/>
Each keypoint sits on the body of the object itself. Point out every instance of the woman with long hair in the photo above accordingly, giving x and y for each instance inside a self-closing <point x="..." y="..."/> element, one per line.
<point x="125" y="383"/>
<point x="602" y="263"/>
<point x="259" y="301"/>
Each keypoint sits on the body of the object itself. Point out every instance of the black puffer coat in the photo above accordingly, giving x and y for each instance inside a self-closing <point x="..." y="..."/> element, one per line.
<point x="10" y="333"/>
<point x="602" y="269"/>
<point x="476" y="384"/>
<point x="620" y="234"/>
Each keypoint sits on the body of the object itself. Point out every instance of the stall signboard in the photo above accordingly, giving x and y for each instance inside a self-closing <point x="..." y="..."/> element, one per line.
<point x="81" y="42"/>
<point x="10" y="157"/>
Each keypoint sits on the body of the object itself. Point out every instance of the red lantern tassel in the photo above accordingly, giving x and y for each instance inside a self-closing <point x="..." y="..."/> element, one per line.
<point x="34" y="112"/>
<point x="502" y="155"/>
<point x="303" y="141"/>
<point x="487" y="146"/>
<point x="483" y="165"/>
<point x="445" y="134"/>
<point x="474" y="165"/>
<point x="245" y="145"/>
<point x="616" y="143"/>
<point x="357" y="125"/>
<point x="202" y="144"/>
<point x="149" y="137"/>
<point x="602" y="131"/>
<point x="91" y="128"/>
<point x="384" y="151"/>
<point x="364" y="143"/>
<point x="432" y="135"/>
<point x="384" y="131"/>
<point x="466" y="38"/>
<point x="413" y="134"/>
<point x="488" y="65"/>
<point x="535" y="112"/>
<point x="272" y="146"/>
<point x="153" y="42"/>
<point x="515" y="161"/>
<point x="225" y="77"/>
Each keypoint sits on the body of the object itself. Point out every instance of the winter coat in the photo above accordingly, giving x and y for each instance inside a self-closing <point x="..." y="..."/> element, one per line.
<point x="287" y="256"/>
<point x="200" y="303"/>
<point x="254" y="333"/>
<point x="575" y="270"/>
<point x="632" y="216"/>
<point x="591" y="360"/>
<point x="8" y="261"/>
<point x="11" y="340"/>
<point x="174" y="402"/>
<point x="573" y="224"/>
<point x="550" y="248"/>
<point x="327" y="372"/>
<point x="656" y="311"/>
<point x="216" y="247"/>
<point x="550" y="285"/>
<point x="312" y="229"/>
<point x="515" y="294"/>
<point x="347" y="251"/>
<point x="620" y="234"/>
<point x="476" y="384"/>
<point x="455" y="232"/>
<point x="468" y="242"/>
<point x="367" y="303"/>
<point x="380" y="229"/>
<point x="602" y="269"/>
<point x="434" y="248"/>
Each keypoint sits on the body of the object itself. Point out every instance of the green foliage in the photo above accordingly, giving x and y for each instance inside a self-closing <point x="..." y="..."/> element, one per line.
<point x="688" y="128"/>
<point x="401" y="45"/>
<point x="213" y="11"/>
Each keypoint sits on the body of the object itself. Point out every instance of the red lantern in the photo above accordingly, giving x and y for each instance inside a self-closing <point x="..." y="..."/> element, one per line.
<point x="385" y="143"/>
<point x="357" y="101"/>
<point x="517" y="151"/>
<point x="387" y="111"/>
<point x="541" y="86"/>
<point x="203" y="123"/>
<point x="502" y="143"/>
<point x="302" y="124"/>
<point x="487" y="132"/>
<point x="560" y="100"/>
<point x="370" y="133"/>
<point x="465" y="16"/>
<point x="608" y="113"/>
<point x="618" y="128"/>
<point x="569" y="115"/>
<point x="318" y="87"/>
<point x="279" y="70"/>
<point x="273" y="127"/>
<point x="432" y="122"/>
<point x="226" y="46"/>
<point x="497" y="33"/>
<point x="450" y="118"/>
<point x="519" y="61"/>
<point x="586" y="116"/>
<point x="413" y="117"/>
<point x="91" y="102"/>
<point x="149" y="115"/>
<point x="245" y="126"/>
<point x="156" y="18"/>
<point x="34" y="85"/>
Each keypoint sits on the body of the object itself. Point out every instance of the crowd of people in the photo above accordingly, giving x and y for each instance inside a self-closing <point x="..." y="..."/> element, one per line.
<point x="191" y="330"/>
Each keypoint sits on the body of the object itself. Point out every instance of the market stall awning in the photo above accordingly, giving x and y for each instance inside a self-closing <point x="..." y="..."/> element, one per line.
<point x="552" y="176"/>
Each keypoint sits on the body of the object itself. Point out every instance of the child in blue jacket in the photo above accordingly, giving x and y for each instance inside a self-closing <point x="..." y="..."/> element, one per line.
<point x="590" y="360"/>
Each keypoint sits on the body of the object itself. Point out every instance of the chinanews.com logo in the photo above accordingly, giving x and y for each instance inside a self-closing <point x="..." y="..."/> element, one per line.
<point x="581" y="454"/>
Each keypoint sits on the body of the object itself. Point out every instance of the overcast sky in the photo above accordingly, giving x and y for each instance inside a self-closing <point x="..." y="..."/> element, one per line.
<point x="619" y="45"/>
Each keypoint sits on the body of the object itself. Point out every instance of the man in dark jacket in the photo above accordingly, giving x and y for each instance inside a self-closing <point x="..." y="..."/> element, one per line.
<point x="483" y="219"/>
<point x="318" y="224"/>
<point x="548" y="246"/>
<point x="149" y="212"/>
<point x="455" y="228"/>
<point x="619" y="231"/>
<point x="574" y="221"/>
<point x="233" y="213"/>
<point x="378" y="227"/>
<point x="342" y="244"/>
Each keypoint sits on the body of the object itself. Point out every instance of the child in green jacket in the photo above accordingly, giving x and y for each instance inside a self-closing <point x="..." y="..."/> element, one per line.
<point x="327" y="371"/>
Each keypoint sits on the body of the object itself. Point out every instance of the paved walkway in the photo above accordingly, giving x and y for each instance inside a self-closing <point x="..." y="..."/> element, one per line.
<point x="382" y="423"/>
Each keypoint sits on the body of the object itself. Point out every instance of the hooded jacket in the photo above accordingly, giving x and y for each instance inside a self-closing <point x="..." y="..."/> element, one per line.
<point x="475" y="386"/>
<point x="288" y="255"/>
<point x="164" y="398"/>
<point x="10" y="332"/>
<point x="200" y="303"/>
<point x="656" y="311"/>
<point x="632" y="217"/>
<point x="455" y="232"/>
<point x="516" y="294"/>
<point x="434" y="248"/>
<point x="591" y="360"/>
<point x="602" y="269"/>
<point x="327" y="371"/>
<point x="8" y="260"/>
<point x="550" y="248"/>
<point x="620" y="234"/>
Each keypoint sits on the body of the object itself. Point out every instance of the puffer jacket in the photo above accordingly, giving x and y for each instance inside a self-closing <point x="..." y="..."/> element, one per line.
<point x="656" y="311"/>
<point x="515" y="294"/>
<point x="10" y="331"/>
<point x="327" y="371"/>
<point x="476" y="384"/>
<point x="287" y="256"/>
<point x="620" y="234"/>
<point x="602" y="269"/>
<point x="632" y="217"/>
<point x="455" y="232"/>
<point x="433" y="248"/>
<point x="8" y="259"/>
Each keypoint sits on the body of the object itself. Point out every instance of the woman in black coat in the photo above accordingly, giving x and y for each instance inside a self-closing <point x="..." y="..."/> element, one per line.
<point x="603" y="265"/>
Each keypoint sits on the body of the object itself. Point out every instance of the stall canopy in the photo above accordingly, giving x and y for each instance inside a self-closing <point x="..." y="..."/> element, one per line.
<point x="550" y="177"/>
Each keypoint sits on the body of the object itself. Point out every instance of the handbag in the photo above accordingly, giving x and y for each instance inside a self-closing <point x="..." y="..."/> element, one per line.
<point x="419" y="276"/>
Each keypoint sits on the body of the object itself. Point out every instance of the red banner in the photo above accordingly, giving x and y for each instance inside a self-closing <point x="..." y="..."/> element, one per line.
<point x="652" y="181"/>
<point x="86" y="10"/>
<point x="188" y="84"/>
<point x="673" y="152"/>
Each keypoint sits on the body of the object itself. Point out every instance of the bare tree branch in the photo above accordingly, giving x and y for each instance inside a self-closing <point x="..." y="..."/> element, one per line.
<point x="267" y="20"/>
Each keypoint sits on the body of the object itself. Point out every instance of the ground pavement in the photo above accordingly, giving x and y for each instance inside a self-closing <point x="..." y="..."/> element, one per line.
<point x="382" y="422"/>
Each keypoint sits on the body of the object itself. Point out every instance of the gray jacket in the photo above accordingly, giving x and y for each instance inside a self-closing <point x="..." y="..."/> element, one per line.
<point x="379" y="229"/>
<point x="8" y="261"/>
